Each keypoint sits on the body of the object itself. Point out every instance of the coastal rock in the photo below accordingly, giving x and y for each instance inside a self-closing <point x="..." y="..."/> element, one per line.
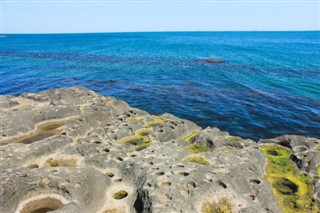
<point x="211" y="60"/>
<point x="73" y="150"/>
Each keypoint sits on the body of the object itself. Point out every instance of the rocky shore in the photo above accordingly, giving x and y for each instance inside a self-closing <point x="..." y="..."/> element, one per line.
<point x="72" y="150"/>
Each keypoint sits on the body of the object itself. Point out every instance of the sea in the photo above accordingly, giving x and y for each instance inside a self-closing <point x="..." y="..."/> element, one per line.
<point x="269" y="84"/>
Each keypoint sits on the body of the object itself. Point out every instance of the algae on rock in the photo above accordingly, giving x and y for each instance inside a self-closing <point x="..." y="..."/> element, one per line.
<point x="223" y="206"/>
<point x="197" y="159"/>
<point x="197" y="148"/>
<point x="190" y="136"/>
<point x="293" y="190"/>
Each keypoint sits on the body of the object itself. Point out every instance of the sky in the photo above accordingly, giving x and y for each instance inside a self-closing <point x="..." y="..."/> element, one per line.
<point x="75" y="16"/>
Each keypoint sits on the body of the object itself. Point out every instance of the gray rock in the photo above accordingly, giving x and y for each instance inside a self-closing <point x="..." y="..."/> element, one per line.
<point x="73" y="150"/>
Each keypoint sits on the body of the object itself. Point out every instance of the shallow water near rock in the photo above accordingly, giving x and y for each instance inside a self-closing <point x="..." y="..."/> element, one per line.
<point x="268" y="86"/>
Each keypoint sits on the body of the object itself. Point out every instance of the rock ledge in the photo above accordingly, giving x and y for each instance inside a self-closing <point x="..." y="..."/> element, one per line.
<point x="73" y="150"/>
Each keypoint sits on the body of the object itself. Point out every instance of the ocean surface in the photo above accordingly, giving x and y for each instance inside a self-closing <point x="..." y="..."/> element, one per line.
<point x="268" y="86"/>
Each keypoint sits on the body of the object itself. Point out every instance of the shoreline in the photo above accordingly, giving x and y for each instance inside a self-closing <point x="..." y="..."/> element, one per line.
<point x="78" y="151"/>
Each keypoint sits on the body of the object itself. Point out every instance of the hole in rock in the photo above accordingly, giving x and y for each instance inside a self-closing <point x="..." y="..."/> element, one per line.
<point x="184" y="173"/>
<point x="42" y="131"/>
<point x="120" y="195"/>
<point x="222" y="184"/>
<point x="191" y="185"/>
<point x="273" y="152"/>
<point x="252" y="197"/>
<point x="43" y="205"/>
<point x="60" y="163"/>
<point x="160" y="173"/>
<point x="120" y="158"/>
<point x="285" y="186"/>
<point x="118" y="180"/>
<point x="109" y="174"/>
<point x="165" y="184"/>
<point x="255" y="181"/>
<point x="143" y="203"/>
<point x="33" y="166"/>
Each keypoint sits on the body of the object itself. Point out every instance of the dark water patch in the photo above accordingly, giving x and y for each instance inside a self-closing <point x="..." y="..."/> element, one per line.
<point x="144" y="60"/>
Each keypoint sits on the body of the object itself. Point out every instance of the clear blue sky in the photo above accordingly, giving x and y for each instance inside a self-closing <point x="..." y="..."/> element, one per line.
<point x="51" y="16"/>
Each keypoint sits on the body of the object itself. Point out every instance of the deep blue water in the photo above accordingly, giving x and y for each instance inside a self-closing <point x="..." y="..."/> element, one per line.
<point x="269" y="85"/>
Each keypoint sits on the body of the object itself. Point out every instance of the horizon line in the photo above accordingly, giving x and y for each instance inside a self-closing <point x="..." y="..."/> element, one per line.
<point x="168" y="31"/>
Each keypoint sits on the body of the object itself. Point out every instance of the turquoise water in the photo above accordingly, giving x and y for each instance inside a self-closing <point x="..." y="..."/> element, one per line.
<point x="269" y="85"/>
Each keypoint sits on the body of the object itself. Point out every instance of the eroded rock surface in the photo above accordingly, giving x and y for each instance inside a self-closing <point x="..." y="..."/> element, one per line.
<point x="73" y="150"/>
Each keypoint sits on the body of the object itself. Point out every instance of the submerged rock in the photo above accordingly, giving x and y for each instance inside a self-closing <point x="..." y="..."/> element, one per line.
<point x="211" y="60"/>
<point x="73" y="150"/>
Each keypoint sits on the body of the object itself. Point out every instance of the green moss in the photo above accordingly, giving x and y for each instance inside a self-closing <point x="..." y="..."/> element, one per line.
<point x="142" y="146"/>
<point x="234" y="138"/>
<point x="197" y="148"/>
<point x="226" y="148"/>
<point x="120" y="195"/>
<point x="140" y="142"/>
<point x="293" y="191"/>
<point x="156" y="122"/>
<point x="135" y="119"/>
<point x="190" y="136"/>
<point x="132" y="140"/>
<point x="132" y="154"/>
<point x="197" y="159"/>
<point x="109" y="99"/>
<point x="318" y="170"/>
<point x="318" y="148"/>
<point x="144" y="131"/>
<point x="223" y="206"/>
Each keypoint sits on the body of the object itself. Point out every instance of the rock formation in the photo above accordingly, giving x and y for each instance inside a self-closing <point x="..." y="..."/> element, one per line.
<point x="74" y="151"/>
<point x="211" y="60"/>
